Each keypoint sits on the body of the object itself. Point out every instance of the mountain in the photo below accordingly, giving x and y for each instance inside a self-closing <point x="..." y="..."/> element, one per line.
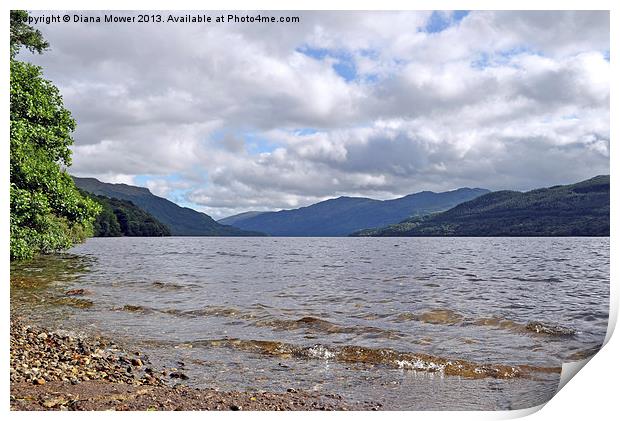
<point x="580" y="209"/>
<point x="180" y="220"/>
<point x="231" y="220"/>
<point x="344" y="215"/>
<point x="123" y="218"/>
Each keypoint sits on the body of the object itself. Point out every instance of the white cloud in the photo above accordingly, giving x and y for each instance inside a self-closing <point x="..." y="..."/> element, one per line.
<point x="258" y="117"/>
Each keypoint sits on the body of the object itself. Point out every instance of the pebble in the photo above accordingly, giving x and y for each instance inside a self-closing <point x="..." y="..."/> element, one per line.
<point x="75" y="292"/>
<point x="39" y="356"/>
<point x="61" y="356"/>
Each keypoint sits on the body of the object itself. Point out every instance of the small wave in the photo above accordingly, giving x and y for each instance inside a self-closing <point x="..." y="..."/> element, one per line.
<point x="314" y="324"/>
<point x="226" y="253"/>
<point x="73" y="302"/>
<point x="309" y="323"/>
<point x="436" y="316"/>
<point x="584" y="353"/>
<point x="169" y="286"/>
<point x="135" y="308"/>
<point x="382" y="356"/>
<point x="540" y="280"/>
<point x="542" y="328"/>
<point x="550" y="329"/>
<point x="214" y="311"/>
<point x="500" y="323"/>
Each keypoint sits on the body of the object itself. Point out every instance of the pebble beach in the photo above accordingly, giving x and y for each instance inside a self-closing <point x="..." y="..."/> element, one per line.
<point x="59" y="370"/>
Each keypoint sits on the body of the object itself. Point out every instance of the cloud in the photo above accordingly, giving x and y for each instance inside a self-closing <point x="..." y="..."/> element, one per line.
<point x="234" y="117"/>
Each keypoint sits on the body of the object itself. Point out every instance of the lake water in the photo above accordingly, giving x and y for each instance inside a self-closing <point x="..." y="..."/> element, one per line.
<point x="414" y="323"/>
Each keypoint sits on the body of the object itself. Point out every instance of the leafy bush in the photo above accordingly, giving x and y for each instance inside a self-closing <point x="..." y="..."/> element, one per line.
<point x="48" y="213"/>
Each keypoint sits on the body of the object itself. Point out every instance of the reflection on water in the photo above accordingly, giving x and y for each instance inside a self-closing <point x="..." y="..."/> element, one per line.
<point x="38" y="286"/>
<point x="418" y="323"/>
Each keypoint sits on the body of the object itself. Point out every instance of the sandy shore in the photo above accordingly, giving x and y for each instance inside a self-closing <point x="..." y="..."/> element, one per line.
<point x="56" y="370"/>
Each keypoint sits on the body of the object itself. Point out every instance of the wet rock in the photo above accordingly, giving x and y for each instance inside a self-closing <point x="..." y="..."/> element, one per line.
<point x="133" y="308"/>
<point x="440" y="316"/>
<point x="550" y="329"/>
<point x="79" y="291"/>
<point x="65" y="371"/>
<point x="74" y="302"/>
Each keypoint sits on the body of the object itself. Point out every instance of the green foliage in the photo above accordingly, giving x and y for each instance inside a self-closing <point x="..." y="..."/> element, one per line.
<point x="580" y="209"/>
<point x="123" y="218"/>
<point x="24" y="35"/>
<point x="48" y="213"/>
<point x="106" y="224"/>
<point x="181" y="221"/>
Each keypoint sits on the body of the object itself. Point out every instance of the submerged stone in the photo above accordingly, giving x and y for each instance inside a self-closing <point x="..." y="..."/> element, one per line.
<point x="549" y="329"/>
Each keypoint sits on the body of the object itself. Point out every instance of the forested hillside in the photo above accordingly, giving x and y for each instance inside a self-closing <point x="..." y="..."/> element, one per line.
<point x="123" y="218"/>
<point x="580" y="209"/>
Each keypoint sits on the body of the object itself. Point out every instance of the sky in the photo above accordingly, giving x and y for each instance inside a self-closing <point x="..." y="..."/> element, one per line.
<point x="227" y="118"/>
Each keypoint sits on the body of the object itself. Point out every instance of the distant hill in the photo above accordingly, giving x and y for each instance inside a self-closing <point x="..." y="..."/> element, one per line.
<point x="580" y="209"/>
<point x="180" y="220"/>
<point x="123" y="218"/>
<point x="231" y="220"/>
<point x="344" y="215"/>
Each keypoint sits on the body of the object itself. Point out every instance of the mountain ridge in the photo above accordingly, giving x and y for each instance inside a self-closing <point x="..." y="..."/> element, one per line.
<point x="579" y="209"/>
<point x="182" y="221"/>
<point x="122" y="218"/>
<point x="229" y="220"/>
<point x="344" y="215"/>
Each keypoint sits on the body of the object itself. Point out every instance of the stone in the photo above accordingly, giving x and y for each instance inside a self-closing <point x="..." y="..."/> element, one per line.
<point x="79" y="291"/>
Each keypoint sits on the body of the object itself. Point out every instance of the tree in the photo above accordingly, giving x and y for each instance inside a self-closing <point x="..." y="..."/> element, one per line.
<point x="48" y="213"/>
<point x="23" y="34"/>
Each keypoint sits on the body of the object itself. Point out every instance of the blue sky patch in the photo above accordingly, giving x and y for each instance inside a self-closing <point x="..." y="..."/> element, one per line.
<point x="306" y="131"/>
<point x="440" y="21"/>
<point x="178" y="196"/>
<point x="501" y="58"/>
<point x="345" y="65"/>
<point x="141" y="180"/>
<point x="257" y="144"/>
<point x="316" y="53"/>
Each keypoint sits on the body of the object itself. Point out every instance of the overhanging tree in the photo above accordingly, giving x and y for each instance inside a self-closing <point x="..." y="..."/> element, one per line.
<point x="48" y="213"/>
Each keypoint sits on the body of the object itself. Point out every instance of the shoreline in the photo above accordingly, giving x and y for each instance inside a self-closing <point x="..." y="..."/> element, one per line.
<point x="59" y="370"/>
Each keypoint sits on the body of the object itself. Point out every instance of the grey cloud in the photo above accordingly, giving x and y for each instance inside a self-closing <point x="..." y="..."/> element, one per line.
<point x="180" y="99"/>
